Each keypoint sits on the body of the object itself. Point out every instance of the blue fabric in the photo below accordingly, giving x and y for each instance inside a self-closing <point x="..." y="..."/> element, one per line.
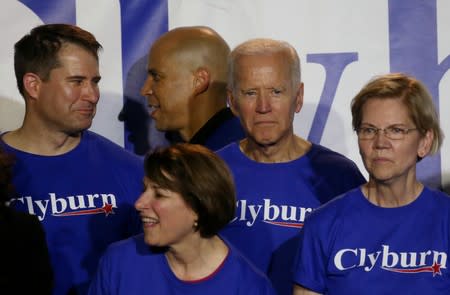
<point x="350" y="246"/>
<point x="230" y="130"/>
<point x="220" y="130"/>
<point x="275" y="198"/>
<point x="131" y="267"/>
<point x="84" y="200"/>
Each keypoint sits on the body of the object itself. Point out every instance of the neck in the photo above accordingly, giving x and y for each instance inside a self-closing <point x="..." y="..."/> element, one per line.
<point x="288" y="150"/>
<point x="198" y="116"/>
<point x="41" y="142"/>
<point x="392" y="195"/>
<point x="198" y="259"/>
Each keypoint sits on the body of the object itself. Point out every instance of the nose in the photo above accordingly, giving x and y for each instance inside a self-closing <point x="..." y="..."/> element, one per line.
<point x="91" y="92"/>
<point x="263" y="104"/>
<point x="380" y="140"/>
<point x="141" y="202"/>
<point x="146" y="89"/>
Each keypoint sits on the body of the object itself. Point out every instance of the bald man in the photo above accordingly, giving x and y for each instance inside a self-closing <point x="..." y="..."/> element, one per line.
<point x="186" y="87"/>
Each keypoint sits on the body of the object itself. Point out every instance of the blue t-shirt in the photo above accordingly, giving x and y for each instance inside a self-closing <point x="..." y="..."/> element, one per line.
<point x="351" y="246"/>
<point x="132" y="267"/>
<point x="273" y="200"/>
<point x="84" y="200"/>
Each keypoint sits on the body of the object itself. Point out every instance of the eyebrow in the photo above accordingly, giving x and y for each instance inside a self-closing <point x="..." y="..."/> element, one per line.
<point x="80" y="77"/>
<point x="153" y="72"/>
<point x="391" y="125"/>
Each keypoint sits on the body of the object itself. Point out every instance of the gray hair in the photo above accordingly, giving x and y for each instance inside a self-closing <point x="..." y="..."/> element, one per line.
<point x="264" y="46"/>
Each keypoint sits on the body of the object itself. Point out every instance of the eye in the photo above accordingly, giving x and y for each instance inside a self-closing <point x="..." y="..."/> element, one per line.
<point x="276" y="91"/>
<point x="161" y="193"/>
<point x="158" y="195"/>
<point x="77" y="82"/>
<point x="249" y="92"/>
<point x="396" y="130"/>
<point x="96" y="80"/>
<point x="368" y="130"/>
<point x="155" y="76"/>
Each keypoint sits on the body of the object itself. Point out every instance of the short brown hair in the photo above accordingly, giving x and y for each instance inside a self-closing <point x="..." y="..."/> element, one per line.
<point x="202" y="179"/>
<point x="414" y="95"/>
<point x="37" y="52"/>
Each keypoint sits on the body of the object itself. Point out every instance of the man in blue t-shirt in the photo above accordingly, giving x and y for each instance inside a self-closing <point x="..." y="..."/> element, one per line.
<point x="280" y="177"/>
<point x="80" y="185"/>
<point x="186" y="88"/>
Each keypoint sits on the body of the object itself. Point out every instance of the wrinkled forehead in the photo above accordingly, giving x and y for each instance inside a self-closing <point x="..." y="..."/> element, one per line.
<point x="279" y="59"/>
<point x="262" y="66"/>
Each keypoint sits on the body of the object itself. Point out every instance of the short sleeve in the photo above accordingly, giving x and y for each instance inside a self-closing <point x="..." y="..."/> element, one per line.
<point x="310" y="261"/>
<point x="101" y="283"/>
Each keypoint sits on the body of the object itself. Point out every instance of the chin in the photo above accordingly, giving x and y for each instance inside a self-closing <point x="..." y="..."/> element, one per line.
<point x="382" y="177"/>
<point x="151" y="242"/>
<point x="265" y="141"/>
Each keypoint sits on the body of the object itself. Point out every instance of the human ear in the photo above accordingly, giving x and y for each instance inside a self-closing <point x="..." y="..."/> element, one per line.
<point x="232" y="102"/>
<point x="31" y="84"/>
<point x="425" y="144"/>
<point x="202" y="79"/>
<point x="299" y="97"/>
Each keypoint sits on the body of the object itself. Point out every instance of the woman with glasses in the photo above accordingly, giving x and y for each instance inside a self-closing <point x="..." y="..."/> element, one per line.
<point x="391" y="235"/>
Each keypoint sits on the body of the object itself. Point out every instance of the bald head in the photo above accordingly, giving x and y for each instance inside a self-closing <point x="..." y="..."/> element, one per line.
<point x="196" y="47"/>
<point x="187" y="78"/>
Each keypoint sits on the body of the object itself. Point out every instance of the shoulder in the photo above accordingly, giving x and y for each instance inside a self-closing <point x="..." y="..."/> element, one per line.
<point x="130" y="246"/>
<point x="337" y="208"/>
<point x="323" y="156"/>
<point x="331" y="173"/>
<point x="130" y="253"/>
<point x="440" y="197"/>
<point x="104" y="147"/>
<point x="247" y="274"/>
<point x="229" y="151"/>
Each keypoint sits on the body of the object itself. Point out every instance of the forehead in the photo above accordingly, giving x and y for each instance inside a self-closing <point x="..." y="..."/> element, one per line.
<point x="77" y="58"/>
<point x="250" y="67"/>
<point x="385" y="110"/>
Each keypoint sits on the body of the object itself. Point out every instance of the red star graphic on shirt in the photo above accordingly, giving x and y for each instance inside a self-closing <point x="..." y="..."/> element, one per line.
<point x="108" y="209"/>
<point x="436" y="267"/>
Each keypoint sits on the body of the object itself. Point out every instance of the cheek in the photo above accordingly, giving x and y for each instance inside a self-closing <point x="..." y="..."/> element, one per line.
<point x="97" y="91"/>
<point x="364" y="148"/>
<point x="409" y="150"/>
<point x="246" y="108"/>
<point x="158" y="207"/>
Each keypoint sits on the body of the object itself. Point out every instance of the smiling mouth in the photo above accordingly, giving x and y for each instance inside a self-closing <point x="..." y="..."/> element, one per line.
<point x="152" y="108"/>
<point x="149" y="221"/>
<point x="88" y="112"/>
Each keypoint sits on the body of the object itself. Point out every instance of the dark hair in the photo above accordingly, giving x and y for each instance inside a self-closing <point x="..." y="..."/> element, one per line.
<point x="6" y="187"/>
<point x="37" y="52"/>
<point x="412" y="93"/>
<point x="201" y="178"/>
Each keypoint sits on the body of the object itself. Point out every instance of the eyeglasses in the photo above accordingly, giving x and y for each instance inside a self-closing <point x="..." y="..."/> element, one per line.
<point x="391" y="132"/>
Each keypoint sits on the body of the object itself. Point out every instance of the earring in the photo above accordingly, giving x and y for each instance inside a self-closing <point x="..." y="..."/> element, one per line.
<point x="195" y="224"/>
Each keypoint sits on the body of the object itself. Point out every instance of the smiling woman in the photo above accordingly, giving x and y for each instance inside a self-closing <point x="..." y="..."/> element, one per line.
<point x="188" y="197"/>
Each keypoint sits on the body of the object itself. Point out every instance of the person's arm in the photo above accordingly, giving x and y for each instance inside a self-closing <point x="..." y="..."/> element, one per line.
<point x="299" y="290"/>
